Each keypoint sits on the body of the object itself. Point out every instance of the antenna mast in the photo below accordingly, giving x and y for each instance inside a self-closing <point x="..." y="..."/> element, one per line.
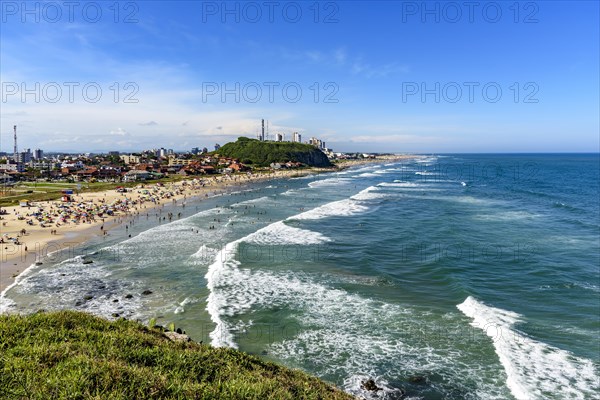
<point x="15" y="155"/>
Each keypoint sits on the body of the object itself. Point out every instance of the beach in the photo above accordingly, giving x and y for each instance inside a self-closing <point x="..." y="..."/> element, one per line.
<point x="30" y="234"/>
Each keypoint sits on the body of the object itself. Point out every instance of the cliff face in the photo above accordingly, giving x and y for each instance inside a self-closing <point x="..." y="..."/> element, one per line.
<point x="314" y="158"/>
<point x="252" y="151"/>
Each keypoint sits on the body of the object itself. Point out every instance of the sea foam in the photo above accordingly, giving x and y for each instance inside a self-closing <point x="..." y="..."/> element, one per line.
<point x="224" y="276"/>
<point x="534" y="370"/>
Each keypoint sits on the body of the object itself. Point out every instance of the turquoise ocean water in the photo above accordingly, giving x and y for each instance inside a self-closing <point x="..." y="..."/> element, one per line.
<point x="441" y="277"/>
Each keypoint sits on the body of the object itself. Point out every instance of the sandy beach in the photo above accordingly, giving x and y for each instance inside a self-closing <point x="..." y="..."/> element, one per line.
<point x="56" y="229"/>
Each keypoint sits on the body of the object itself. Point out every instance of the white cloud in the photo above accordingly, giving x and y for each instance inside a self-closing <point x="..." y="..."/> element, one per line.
<point x="118" y="132"/>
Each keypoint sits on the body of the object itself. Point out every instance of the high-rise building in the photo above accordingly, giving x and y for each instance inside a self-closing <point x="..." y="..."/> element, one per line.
<point x="297" y="137"/>
<point x="278" y="137"/>
<point x="24" y="156"/>
<point x="38" y="154"/>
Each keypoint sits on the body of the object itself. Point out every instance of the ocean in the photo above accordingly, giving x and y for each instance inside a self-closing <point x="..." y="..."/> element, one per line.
<point x="440" y="277"/>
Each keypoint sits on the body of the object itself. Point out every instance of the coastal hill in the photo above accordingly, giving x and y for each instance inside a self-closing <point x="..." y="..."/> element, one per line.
<point x="69" y="355"/>
<point x="262" y="154"/>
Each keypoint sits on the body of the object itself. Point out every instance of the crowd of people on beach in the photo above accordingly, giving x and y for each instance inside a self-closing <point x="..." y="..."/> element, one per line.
<point x="89" y="209"/>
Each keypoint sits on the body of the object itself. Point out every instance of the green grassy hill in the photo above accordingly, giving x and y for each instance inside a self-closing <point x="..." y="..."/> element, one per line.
<point x="255" y="152"/>
<point x="73" y="355"/>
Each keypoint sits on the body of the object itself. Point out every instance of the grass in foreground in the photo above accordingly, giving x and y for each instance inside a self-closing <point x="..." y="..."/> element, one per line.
<point x="73" y="355"/>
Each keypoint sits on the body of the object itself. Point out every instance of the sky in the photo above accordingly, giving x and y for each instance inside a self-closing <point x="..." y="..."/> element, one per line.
<point x="417" y="77"/>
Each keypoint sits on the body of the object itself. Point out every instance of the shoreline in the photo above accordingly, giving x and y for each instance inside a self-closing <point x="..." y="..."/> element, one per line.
<point x="42" y="245"/>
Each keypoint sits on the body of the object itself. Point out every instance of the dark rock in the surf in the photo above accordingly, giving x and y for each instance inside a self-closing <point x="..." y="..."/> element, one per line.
<point x="39" y="263"/>
<point x="78" y="303"/>
<point x="115" y="300"/>
<point x="146" y="292"/>
<point x="88" y="261"/>
<point x="88" y="297"/>
<point x="129" y="296"/>
<point x="418" y="379"/>
<point x="116" y="315"/>
<point x="370" y="385"/>
<point x="178" y="330"/>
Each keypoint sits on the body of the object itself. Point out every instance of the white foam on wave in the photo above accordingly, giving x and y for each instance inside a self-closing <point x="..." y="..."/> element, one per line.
<point x="263" y="199"/>
<point x="279" y="233"/>
<point x="534" y="370"/>
<point x="224" y="273"/>
<point x="369" y="193"/>
<point x="180" y="308"/>
<point x="291" y="192"/>
<point x="420" y="183"/>
<point x="426" y="173"/>
<point x="588" y="286"/>
<point x="216" y="303"/>
<point x="329" y="182"/>
<point x="203" y="255"/>
<point x="367" y="168"/>
<point x="426" y="159"/>
<point x="340" y="208"/>
<point x="397" y="183"/>
<point x="367" y="175"/>
<point x="410" y="187"/>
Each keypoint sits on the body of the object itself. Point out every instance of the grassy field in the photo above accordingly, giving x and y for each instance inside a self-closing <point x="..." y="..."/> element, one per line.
<point x="73" y="355"/>
<point x="42" y="191"/>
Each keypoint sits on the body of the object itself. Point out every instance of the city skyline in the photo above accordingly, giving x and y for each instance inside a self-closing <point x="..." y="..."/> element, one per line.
<point x="420" y="78"/>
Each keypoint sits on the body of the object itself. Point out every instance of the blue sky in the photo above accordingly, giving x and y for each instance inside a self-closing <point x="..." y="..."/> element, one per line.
<point x="363" y="76"/>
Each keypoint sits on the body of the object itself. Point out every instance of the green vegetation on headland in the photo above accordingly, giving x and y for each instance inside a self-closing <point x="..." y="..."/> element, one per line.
<point x="255" y="152"/>
<point x="73" y="355"/>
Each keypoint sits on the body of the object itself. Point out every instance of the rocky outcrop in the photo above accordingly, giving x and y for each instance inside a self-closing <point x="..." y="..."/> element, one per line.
<point x="314" y="158"/>
<point x="370" y="385"/>
<point x="177" y="337"/>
